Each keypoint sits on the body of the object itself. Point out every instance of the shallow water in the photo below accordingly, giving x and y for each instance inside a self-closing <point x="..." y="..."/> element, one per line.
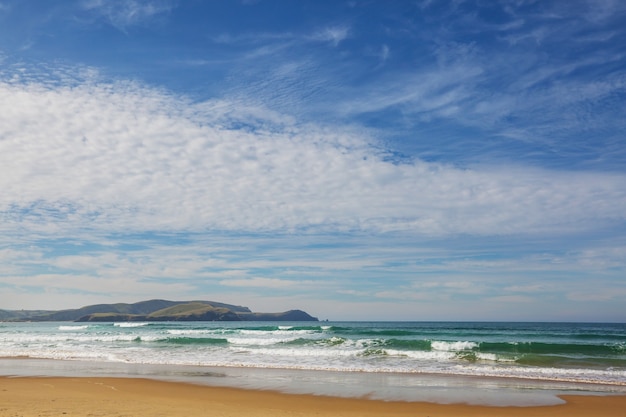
<point x="382" y="386"/>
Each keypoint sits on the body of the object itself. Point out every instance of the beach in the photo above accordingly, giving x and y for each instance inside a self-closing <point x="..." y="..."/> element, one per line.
<point x="69" y="396"/>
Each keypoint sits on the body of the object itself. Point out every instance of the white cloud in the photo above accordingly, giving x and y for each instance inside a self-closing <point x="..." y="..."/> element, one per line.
<point x="334" y="35"/>
<point x="511" y="299"/>
<point x="403" y="295"/>
<point x="264" y="283"/>
<point x="123" y="157"/>
<point x="530" y="288"/>
<point x="125" y="13"/>
<point x="431" y="91"/>
<point x="598" y="294"/>
<point x="599" y="12"/>
<point x="384" y="53"/>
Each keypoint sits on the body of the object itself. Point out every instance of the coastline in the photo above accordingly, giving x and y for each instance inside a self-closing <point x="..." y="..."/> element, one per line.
<point x="388" y="387"/>
<point x="382" y="387"/>
<point x="107" y="396"/>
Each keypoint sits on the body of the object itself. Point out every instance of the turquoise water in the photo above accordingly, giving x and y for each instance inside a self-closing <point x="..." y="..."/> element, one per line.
<point x="550" y="353"/>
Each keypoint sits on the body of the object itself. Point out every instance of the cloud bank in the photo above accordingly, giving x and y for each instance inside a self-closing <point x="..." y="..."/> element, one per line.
<point x="122" y="156"/>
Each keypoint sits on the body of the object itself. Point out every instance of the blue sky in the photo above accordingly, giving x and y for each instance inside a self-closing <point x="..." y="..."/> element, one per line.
<point x="371" y="160"/>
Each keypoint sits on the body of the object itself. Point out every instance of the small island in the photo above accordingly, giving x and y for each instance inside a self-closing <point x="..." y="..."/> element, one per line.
<point x="155" y="310"/>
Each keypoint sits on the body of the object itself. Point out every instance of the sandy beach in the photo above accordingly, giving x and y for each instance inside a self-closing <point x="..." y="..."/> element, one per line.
<point x="65" y="396"/>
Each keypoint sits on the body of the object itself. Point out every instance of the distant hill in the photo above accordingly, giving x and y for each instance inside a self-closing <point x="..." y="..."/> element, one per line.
<point x="13" y="315"/>
<point x="156" y="310"/>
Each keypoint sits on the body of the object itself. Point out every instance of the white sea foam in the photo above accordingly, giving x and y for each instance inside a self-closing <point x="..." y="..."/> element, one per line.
<point x="337" y="341"/>
<point x="190" y="332"/>
<point x="424" y="355"/>
<point x="270" y="333"/>
<point x="492" y="357"/>
<point x="453" y="346"/>
<point x="258" y="341"/>
<point x="285" y="347"/>
<point x="73" y="328"/>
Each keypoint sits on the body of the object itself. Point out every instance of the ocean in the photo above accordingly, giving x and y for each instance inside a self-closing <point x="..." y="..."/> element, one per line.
<point x="518" y="363"/>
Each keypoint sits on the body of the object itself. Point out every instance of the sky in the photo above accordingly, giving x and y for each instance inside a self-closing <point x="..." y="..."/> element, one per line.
<point x="359" y="160"/>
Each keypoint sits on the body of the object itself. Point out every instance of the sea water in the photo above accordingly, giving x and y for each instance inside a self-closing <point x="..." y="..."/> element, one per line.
<point x="446" y="362"/>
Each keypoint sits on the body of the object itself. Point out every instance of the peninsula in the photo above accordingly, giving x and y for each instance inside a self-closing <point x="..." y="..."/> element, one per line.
<point x="155" y="310"/>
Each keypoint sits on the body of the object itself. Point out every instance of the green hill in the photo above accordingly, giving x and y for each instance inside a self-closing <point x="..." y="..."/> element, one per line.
<point x="156" y="310"/>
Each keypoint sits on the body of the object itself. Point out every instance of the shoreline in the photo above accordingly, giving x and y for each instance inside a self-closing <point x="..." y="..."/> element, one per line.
<point x="110" y="396"/>
<point x="387" y="387"/>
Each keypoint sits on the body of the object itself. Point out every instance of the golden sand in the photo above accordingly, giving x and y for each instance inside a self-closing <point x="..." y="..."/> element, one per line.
<point x="84" y="397"/>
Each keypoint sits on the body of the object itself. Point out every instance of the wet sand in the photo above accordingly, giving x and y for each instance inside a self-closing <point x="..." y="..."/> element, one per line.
<point x="85" y="396"/>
